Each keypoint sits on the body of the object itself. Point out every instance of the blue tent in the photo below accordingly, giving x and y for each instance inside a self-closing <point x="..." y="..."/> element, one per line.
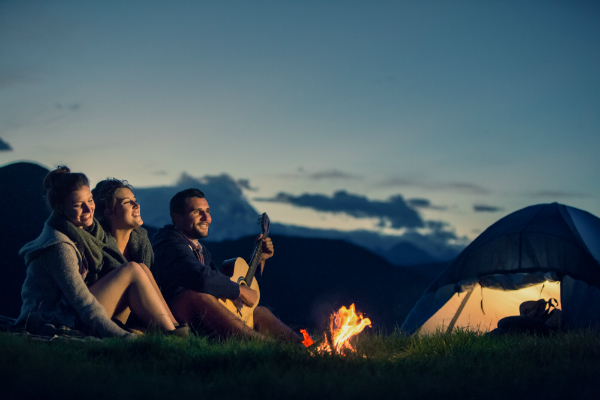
<point x="545" y="250"/>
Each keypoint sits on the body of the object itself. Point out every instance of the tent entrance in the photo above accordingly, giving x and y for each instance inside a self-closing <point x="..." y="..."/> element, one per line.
<point x="480" y="308"/>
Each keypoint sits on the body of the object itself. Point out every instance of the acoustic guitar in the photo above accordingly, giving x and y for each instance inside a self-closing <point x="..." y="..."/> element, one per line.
<point x="243" y="274"/>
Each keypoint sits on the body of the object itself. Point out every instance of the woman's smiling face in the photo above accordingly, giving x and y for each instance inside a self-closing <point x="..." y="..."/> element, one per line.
<point x="126" y="211"/>
<point x="79" y="207"/>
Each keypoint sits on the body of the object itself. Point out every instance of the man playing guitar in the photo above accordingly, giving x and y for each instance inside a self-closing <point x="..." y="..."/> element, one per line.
<point x="192" y="285"/>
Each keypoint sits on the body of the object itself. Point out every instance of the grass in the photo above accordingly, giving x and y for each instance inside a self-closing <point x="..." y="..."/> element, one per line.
<point x="461" y="365"/>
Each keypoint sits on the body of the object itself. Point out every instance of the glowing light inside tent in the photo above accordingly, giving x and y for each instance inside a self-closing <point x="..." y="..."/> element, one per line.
<point x="485" y="307"/>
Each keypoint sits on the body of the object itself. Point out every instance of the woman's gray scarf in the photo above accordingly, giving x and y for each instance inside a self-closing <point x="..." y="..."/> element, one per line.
<point x="90" y="242"/>
<point x="99" y="249"/>
<point x="138" y="250"/>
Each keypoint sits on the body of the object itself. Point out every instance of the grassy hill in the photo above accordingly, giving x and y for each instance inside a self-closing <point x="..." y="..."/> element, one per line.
<point x="459" y="366"/>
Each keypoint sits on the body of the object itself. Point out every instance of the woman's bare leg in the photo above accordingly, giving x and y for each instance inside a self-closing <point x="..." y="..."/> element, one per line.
<point x="129" y="286"/>
<point x="162" y="299"/>
<point x="123" y="315"/>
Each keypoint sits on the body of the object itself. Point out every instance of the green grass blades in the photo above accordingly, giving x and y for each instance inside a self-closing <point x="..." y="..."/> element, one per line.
<point x="465" y="365"/>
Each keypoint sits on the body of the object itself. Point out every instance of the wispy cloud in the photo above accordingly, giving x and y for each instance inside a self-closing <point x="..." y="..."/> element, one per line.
<point x="558" y="194"/>
<point x="70" y="107"/>
<point x="4" y="146"/>
<point x="486" y="208"/>
<point x="423" y="203"/>
<point x="395" y="210"/>
<point x="439" y="186"/>
<point x="9" y="78"/>
<point x="330" y="174"/>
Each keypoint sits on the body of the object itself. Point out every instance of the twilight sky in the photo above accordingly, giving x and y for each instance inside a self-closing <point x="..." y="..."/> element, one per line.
<point x="468" y="110"/>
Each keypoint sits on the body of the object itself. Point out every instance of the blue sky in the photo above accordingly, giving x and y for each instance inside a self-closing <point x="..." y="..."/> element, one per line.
<point x="469" y="109"/>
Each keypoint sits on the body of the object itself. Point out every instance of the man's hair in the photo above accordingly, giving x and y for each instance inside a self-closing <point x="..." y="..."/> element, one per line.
<point x="177" y="203"/>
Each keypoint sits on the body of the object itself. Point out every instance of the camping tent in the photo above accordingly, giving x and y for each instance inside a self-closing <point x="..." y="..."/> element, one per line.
<point x="541" y="251"/>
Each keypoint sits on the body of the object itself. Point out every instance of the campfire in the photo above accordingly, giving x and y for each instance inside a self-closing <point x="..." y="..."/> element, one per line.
<point x="343" y="325"/>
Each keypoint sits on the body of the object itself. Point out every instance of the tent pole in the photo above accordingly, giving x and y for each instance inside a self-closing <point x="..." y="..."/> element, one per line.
<point x="459" y="310"/>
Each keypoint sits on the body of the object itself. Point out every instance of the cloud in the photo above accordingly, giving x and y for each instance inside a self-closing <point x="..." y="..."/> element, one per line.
<point x="331" y="174"/>
<point x="161" y="172"/>
<point x="423" y="203"/>
<point x="395" y="210"/>
<point x="4" y="146"/>
<point x="70" y="107"/>
<point x="9" y="78"/>
<point x="485" y="208"/>
<point x="440" y="186"/>
<point x="558" y="194"/>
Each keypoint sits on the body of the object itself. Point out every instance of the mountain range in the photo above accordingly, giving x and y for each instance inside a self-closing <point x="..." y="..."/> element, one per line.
<point x="234" y="217"/>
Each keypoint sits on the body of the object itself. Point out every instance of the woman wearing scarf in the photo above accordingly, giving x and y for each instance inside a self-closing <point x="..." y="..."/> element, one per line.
<point x="69" y="251"/>
<point x="118" y="212"/>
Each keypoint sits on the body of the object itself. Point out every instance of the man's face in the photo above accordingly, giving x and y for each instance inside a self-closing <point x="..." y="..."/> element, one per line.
<point x="195" y="220"/>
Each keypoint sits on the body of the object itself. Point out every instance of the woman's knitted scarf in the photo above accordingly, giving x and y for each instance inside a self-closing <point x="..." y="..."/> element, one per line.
<point x="138" y="250"/>
<point x="90" y="242"/>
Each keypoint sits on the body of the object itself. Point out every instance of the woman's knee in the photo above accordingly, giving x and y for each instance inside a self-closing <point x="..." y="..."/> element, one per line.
<point x="145" y="268"/>
<point x="134" y="269"/>
<point x="147" y="271"/>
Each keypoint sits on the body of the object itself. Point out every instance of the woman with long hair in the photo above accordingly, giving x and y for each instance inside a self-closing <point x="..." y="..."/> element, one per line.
<point x="68" y="252"/>
<point x="118" y="212"/>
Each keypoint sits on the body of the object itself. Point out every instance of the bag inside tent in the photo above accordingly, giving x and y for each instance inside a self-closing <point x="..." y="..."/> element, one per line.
<point x="481" y="308"/>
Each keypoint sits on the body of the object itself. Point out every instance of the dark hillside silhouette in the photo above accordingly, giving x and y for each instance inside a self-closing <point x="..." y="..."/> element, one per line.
<point x="23" y="211"/>
<point x="405" y="253"/>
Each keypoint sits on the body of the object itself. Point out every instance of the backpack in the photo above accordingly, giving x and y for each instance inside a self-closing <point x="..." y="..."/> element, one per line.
<point x="536" y="317"/>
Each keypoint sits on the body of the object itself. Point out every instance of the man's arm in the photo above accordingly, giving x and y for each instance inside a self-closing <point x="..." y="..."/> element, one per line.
<point x="248" y="296"/>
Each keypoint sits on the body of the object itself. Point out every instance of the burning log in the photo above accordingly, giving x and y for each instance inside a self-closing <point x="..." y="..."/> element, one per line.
<point x="343" y="325"/>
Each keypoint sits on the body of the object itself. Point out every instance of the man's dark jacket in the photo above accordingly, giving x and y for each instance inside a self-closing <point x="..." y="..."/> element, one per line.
<point x="176" y="268"/>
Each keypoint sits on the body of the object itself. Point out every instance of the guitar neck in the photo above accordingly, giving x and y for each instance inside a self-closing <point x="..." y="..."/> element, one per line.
<point x="254" y="263"/>
<point x="255" y="259"/>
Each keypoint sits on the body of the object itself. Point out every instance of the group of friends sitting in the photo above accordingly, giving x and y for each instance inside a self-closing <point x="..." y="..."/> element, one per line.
<point x="94" y="269"/>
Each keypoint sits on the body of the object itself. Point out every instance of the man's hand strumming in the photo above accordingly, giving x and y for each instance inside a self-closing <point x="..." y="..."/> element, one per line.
<point x="248" y="296"/>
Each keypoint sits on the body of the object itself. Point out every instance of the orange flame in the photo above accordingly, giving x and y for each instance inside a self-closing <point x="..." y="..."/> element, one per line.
<point x="344" y="324"/>
<point x="307" y="339"/>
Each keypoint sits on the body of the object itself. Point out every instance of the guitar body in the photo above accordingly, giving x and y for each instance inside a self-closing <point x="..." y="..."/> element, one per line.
<point x="238" y="268"/>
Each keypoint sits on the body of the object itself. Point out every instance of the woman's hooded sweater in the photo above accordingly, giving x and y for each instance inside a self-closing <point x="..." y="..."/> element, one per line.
<point x="54" y="291"/>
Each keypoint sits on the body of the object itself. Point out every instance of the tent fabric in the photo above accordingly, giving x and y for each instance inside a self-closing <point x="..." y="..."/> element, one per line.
<point x="544" y="242"/>
<point x="580" y="304"/>
<point x="588" y="227"/>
